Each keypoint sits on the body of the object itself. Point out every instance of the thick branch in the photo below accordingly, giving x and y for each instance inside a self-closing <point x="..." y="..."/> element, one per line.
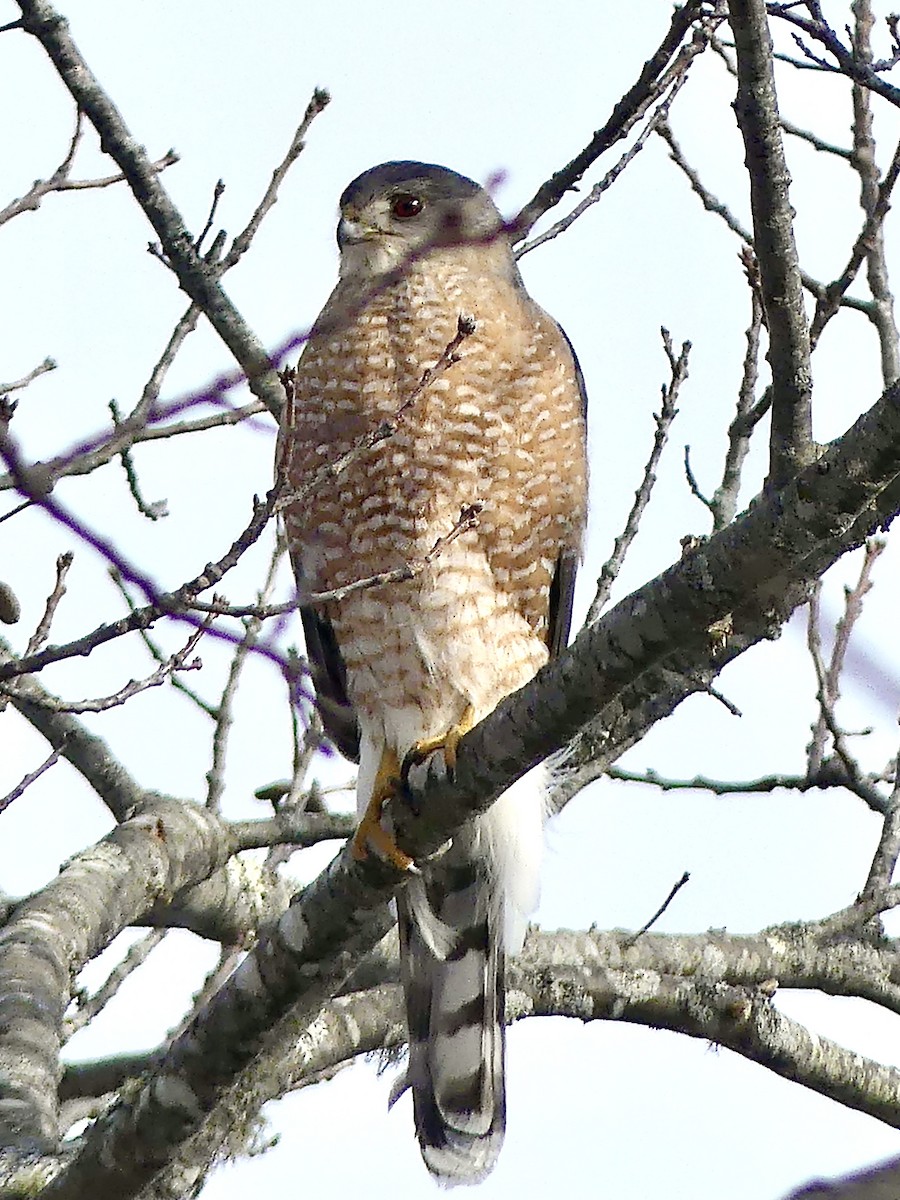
<point x="168" y="846"/>
<point x="752" y="571"/>
<point x="756" y="107"/>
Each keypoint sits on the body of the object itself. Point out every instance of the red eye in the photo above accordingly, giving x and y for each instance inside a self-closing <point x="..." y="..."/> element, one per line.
<point x="404" y="206"/>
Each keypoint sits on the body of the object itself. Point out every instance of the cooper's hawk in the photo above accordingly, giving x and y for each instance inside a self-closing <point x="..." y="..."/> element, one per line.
<point x="402" y="669"/>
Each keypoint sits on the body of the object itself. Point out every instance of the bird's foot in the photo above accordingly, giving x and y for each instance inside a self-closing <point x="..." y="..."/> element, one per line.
<point x="447" y="742"/>
<point x="370" y="833"/>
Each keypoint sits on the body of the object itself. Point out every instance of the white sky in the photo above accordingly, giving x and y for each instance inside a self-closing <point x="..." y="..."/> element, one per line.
<point x="480" y="87"/>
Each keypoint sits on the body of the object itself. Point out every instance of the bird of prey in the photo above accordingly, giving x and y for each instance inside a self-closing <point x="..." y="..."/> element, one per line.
<point x="403" y="669"/>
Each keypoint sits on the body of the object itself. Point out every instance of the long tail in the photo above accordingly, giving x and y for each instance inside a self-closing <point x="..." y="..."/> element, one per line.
<point x="456" y="926"/>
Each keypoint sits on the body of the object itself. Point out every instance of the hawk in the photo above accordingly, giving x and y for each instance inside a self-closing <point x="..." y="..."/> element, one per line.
<point x="491" y="423"/>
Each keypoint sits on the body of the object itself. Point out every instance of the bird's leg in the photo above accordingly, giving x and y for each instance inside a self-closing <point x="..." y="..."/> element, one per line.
<point x="448" y="742"/>
<point x="369" y="831"/>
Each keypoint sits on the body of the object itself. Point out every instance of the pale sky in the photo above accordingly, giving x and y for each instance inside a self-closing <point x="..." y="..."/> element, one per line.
<point x="483" y="88"/>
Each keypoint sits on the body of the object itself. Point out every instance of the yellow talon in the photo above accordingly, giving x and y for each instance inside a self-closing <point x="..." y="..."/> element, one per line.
<point x="448" y="742"/>
<point x="369" y="831"/>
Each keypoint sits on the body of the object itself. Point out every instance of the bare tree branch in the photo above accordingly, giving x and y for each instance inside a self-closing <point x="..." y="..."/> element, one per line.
<point x="645" y="92"/>
<point x="756" y="107"/>
<point x="196" y="277"/>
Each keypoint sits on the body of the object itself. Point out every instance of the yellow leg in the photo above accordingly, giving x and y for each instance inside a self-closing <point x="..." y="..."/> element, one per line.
<point x="369" y="832"/>
<point x="448" y="742"/>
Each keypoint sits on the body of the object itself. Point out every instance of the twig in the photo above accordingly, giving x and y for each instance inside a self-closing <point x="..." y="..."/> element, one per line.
<point x="884" y="861"/>
<point x="218" y="192"/>
<point x="692" y="480"/>
<point x="263" y="612"/>
<point x="178" y="662"/>
<point x="89" y="754"/>
<point x="818" y="28"/>
<point x="874" y="195"/>
<point x="806" y="135"/>
<point x="723" y="504"/>
<point x="157" y="653"/>
<point x="158" y="508"/>
<point x="215" y="777"/>
<point x="133" y="431"/>
<point x="673" y="892"/>
<point x="869" y="243"/>
<point x="49" y="364"/>
<point x="660" y="115"/>
<point x="40" y="635"/>
<point x="663" y="419"/>
<point x="291" y="827"/>
<point x="90" y="1006"/>
<point x="465" y="327"/>
<point x="240" y="245"/>
<point x="648" y="88"/>
<point x="756" y="106"/>
<point x="714" y="205"/>
<point x="828" y="691"/>
<point x="173" y="604"/>
<point x="28" y="780"/>
<point x="467" y="519"/>
<point x="831" y="774"/>
<point x="197" y="278"/>
<point x="59" y="181"/>
<point x="304" y="750"/>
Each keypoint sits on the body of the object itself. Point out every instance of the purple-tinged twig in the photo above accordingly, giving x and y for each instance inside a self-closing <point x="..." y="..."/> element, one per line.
<point x="610" y="570"/>
<point x="28" y="780"/>
<point x="174" y="604"/>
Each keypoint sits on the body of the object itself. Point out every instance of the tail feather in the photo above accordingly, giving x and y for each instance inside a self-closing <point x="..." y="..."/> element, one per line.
<point x="456" y="1030"/>
<point x="457" y="923"/>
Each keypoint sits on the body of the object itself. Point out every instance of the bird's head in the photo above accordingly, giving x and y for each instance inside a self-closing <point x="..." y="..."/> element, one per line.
<point x="395" y="212"/>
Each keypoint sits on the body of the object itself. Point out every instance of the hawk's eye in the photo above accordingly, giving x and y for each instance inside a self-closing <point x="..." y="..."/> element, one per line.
<point x="404" y="206"/>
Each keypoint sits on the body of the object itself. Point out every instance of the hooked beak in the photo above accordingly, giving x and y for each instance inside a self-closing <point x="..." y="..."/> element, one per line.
<point x="351" y="230"/>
